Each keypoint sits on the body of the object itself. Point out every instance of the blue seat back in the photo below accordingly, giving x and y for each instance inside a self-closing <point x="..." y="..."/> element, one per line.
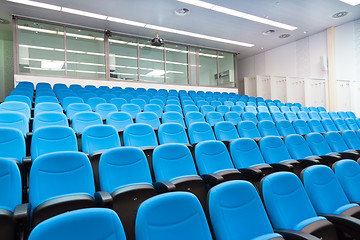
<point x="71" y="99"/>
<point x="138" y="101"/>
<point x="173" y="108"/>
<point x="222" y="109"/>
<point x="333" y="115"/>
<point x="177" y="215"/>
<point x="263" y="109"/>
<point x="267" y="128"/>
<point x="261" y="116"/>
<point x="212" y="157"/>
<point x="173" y="117"/>
<point x="301" y="127"/>
<point x="303" y="115"/>
<point x="318" y="144"/>
<point x="15" y="120"/>
<point x="237" y="109"/>
<point x="229" y="104"/>
<point x="172" y="133"/>
<point x="214" y="117"/>
<point x="245" y="153"/>
<point x="351" y="123"/>
<point x="285" y="128"/>
<point x="248" y="129"/>
<point x="284" y="109"/>
<point x="133" y="109"/>
<point x="47" y="107"/>
<point x="273" y="109"/>
<point x="193" y="117"/>
<point x="12" y="144"/>
<point x="305" y="109"/>
<point x="324" y="190"/>
<point x="94" y="101"/>
<point x="190" y="108"/>
<point x="342" y="115"/>
<point x="206" y="108"/>
<point x="240" y="103"/>
<point x="200" y="131"/>
<point x="251" y="109"/>
<point x="148" y="117"/>
<point x="122" y="167"/>
<point x="348" y="174"/>
<point x="297" y="147"/>
<point x="19" y="98"/>
<point x="336" y="142"/>
<point x="10" y="185"/>
<point x="278" y="116"/>
<point x="119" y="120"/>
<point x="233" y="117"/>
<point x="351" y="114"/>
<point x="215" y="103"/>
<point x="118" y="102"/>
<point x="19" y="107"/>
<point x="74" y="108"/>
<point x="166" y="161"/>
<point x="105" y="108"/>
<point x="249" y="116"/>
<point x="140" y="135"/>
<point x="230" y="205"/>
<point x="340" y="124"/>
<point x="329" y="125"/>
<point x="290" y="116"/>
<point x="225" y="131"/>
<point x="71" y="169"/>
<point x="159" y="102"/>
<point x="316" y="126"/>
<point x="98" y="138"/>
<point x="351" y="139"/>
<point x="321" y="109"/>
<point x="49" y="119"/>
<point x="274" y="150"/>
<point x="324" y="115"/>
<point x="84" y="119"/>
<point x="314" y="115"/>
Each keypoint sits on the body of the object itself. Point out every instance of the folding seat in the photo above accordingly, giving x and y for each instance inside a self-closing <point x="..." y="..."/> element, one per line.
<point x="206" y="108"/>
<point x="192" y="117"/>
<point x="285" y="128"/>
<point x="14" y="120"/>
<point x="351" y="115"/>
<point x="173" y="108"/>
<point x="229" y="212"/>
<point x="223" y="109"/>
<point x="313" y="109"/>
<point x="124" y="173"/>
<point x="305" y="109"/>
<point x="261" y="116"/>
<point x="198" y="99"/>
<point x="329" y="125"/>
<point x="342" y="115"/>
<point x="60" y="182"/>
<point x="225" y="131"/>
<point x="248" y="129"/>
<point x="133" y="109"/>
<point x="214" y="117"/>
<point x="47" y="107"/>
<point x="289" y="105"/>
<point x="12" y="144"/>
<point x="68" y="100"/>
<point x="167" y="211"/>
<point x="95" y="101"/>
<point x="46" y="99"/>
<point x="140" y="135"/>
<point x="200" y="131"/>
<point x="105" y="108"/>
<point x="201" y="103"/>
<point x="285" y="109"/>
<point x="348" y="174"/>
<point x="301" y="127"/>
<point x="249" y="116"/>
<point x="187" y="102"/>
<point x="295" y="109"/>
<point x="140" y="102"/>
<point x="173" y="101"/>
<point x="19" y="98"/>
<point x="108" y="97"/>
<point x="337" y="144"/>
<point x="321" y="109"/>
<point x="84" y="119"/>
<point x="351" y="123"/>
<point x="87" y="95"/>
<point x="267" y="128"/>
<point x="155" y="108"/>
<point x="251" y="109"/>
<point x="316" y="126"/>
<point x="172" y="133"/>
<point x="289" y="207"/>
<point x="290" y="116"/>
<point x="233" y="117"/>
<point x="190" y="108"/>
<point x="279" y="104"/>
<point x="251" y="104"/>
<point x="261" y="104"/>
<point x="222" y="100"/>
<point x="263" y="109"/>
<point x="273" y="109"/>
<point x="148" y="117"/>
<point x="340" y="124"/>
<point x="324" y="115"/>
<point x="237" y="109"/>
<point x="118" y="102"/>
<point x="303" y="115"/>
<point x="49" y="119"/>
<point x="271" y="104"/>
<point x="333" y="115"/>
<point x="144" y="97"/>
<point x="74" y="108"/>
<point x="23" y="92"/>
<point x="298" y="105"/>
<point x="215" y="103"/>
<point x="212" y="157"/>
<point x="173" y="117"/>
<point x="278" y="116"/>
<point x="119" y="120"/>
<point x="240" y="103"/>
<point x="229" y="104"/>
<point x="19" y="107"/>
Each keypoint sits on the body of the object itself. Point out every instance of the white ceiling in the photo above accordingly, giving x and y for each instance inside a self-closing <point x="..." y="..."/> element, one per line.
<point x="310" y="16"/>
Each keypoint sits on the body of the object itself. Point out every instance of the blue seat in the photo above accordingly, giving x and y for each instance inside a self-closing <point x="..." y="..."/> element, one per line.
<point x="19" y="98"/>
<point x="298" y="147"/>
<point x="98" y="138"/>
<point x="240" y="103"/>
<point x="190" y="108"/>
<point x="351" y="114"/>
<point x="52" y="139"/>
<point x="174" y="101"/>
<point x="118" y="102"/>
<point x="301" y="127"/>
<point x="71" y="99"/>
<point x="93" y="223"/>
<point x="85" y="96"/>
<point x="19" y="107"/>
<point x="148" y="117"/>
<point x="263" y="109"/>
<point x="173" y="108"/>
<point x="333" y="115"/>
<point x="108" y="97"/>
<point x="127" y="97"/>
<point x="172" y="133"/>
<point x="193" y="117"/>
<point x="324" y="115"/>
<point x="158" y="102"/>
<point x="119" y="120"/>
<point x="15" y="120"/>
<point x="49" y="119"/>
<point x="249" y="116"/>
<point x="201" y="103"/>
<point x="74" y="108"/>
<point x="229" y="104"/>
<point x="342" y="115"/>
<point x="351" y="123"/>
<point x="140" y="135"/>
<point x="251" y="104"/>
<point x="133" y="109"/>
<point x="232" y="117"/>
<point x="248" y="129"/>
<point x="155" y="108"/>
<point x="289" y="207"/>
<point x="289" y="105"/>
<point x="295" y="109"/>
<point x="337" y="144"/>
<point x="200" y="131"/>
<point x="230" y="212"/>
<point x="267" y="128"/>
<point x="47" y="107"/>
<point x="251" y="109"/>
<point x="214" y="117"/>
<point x="305" y="109"/>
<point x="84" y="119"/>
<point x="303" y="115"/>
<point x="329" y="125"/>
<point x="177" y="215"/>
<point x="173" y="117"/>
<point x="187" y="102"/>
<point x="225" y="131"/>
<point x="318" y="144"/>
<point x="237" y="109"/>
<point x="351" y="139"/>
<point x="285" y="128"/>
<point x="94" y="101"/>
<point x="206" y="108"/>
<point x="261" y="116"/>
<point x="321" y="109"/>
<point x="223" y="109"/>
<point x="273" y="109"/>
<point x="47" y="197"/>
<point x="215" y="103"/>
<point x="290" y="116"/>
<point x="348" y="174"/>
<point x="316" y="126"/>
<point x="12" y="144"/>
<point x="298" y="105"/>
<point x="278" y="116"/>
<point x="125" y="174"/>
<point x="105" y="108"/>
<point x="140" y="102"/>
<point x="284" y="109"/>
<point x="340" y="124"/>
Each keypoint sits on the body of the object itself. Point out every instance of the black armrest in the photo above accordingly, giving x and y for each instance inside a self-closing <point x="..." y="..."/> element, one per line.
<point x="231" y="174"/>
<point x="308" y="162"/>
<point x="28" y="143"/>
<point x="21" y="216"/>
<point x="350" y="155"/>
<point x="330" y="159"/>
<point x="295" y="235"/>
<point x="103" y="199"/>
<point x="251" y="174"/>
<point x="344" y="222"/>
<point x="212" y="179"/>
<point x="282" y="167"/>
<point x="164" y="186"/>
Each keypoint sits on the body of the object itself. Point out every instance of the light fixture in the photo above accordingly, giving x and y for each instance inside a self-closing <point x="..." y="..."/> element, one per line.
<point x="48" y="64"/>
<point x="156" y="73"/>
<point x="268" y="32"/>
<point x="340" y="14"/>
<point x="239" y="14"/>
<point x="37" y="4"/>
<point x="351" y="2"/>
<point x="83" y="13"/>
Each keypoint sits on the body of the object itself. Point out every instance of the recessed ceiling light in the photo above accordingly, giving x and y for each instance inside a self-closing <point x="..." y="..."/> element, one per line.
<point x="182" y="11"/>
<point x="268" y="32"/>
<point x="351" y="2"/>
<point x="286" y="35"/>
<point x="340" y="14"/>
<point x="305" y="32"/>
<point x="4" y="21"/>
<point x="37" y="4"/>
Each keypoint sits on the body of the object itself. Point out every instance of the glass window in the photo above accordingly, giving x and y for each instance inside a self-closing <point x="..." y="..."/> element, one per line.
<point x="85" y="53"/>
<point x="152" y="67"/>
<point x="41" y="48"/>
<point x="207" y="67"/>
<point x="176" y="64"/>
<point x="123" y="58"/>
<point x="226" y="70"/>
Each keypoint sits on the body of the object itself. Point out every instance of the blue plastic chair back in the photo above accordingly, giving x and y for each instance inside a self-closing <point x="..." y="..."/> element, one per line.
<point x="225" y="131"/>
<point x="324" y="115"/>
<point x="158" y="102"/>
<point x="233" y="117"/>
<point x="118" y="102"/>
<point x="316" y="126"/>
<point x="321" y="109"/>
<point x="303" y="116"/>
<point x="200" y="131"/>
<point x="105" y="108"/>
<point x="274" y="150"/>
<point x="278" y="116"/>
<point x="285" y="128"/>
<point x="249" y="116"/>
<point x="248" y="129"/>
<point x="207" y="108"/>
<point x="290" y="116"/>
<point x="348" y="174"/>
<point x="12" y="144"/>
<point x="318" y="144"/>
<point x="19" y="98"/>
<point x="336" y="142"/>
<point x="342" y="115"/>
<point x="140" y="102"/>
<point x="193" y="117"/>
<point x="214" y="117"/>
<point x="119" y="120"/>
<point x="351" y="115"/>
<point x="284" y="109"/>
<point x="301" y="127"/>
<point x="68" y="100"/>
<point x="351" y="123"/>
<point x="133" y="109"/>
<point x="274" y="109"/>
<point x="340" y="124"/>
<point x="14" y="120"/>
<point x="148" y="117"/>
<point x="245" y="153"/>
<point x="173" y="117"/>
<point x="305" y="109"/>
<point x="18" y="107"/>
<point x="333" y="115"/>
<point x="329" y="125"/>
<point x="172" y="133"/>
<point x="267" y="128"/>
<point x="10" y="185"/>
<point x="94" y="101"/>
<point x="251" y="109"/>
<point x="47" y="107"/>
<point x="351" y="139"/>
<point x="215" y="103"/>
<point x="262" y="116"/>
<point x="295" y="109"/>
<point x="99" y="138"/>
<point x="84" y="119"/>
<point x="190" y="108"/>
<point x="140" y="135"/>
<point x="74" y="108"/>
<point x="49" y="119"/>
<point x="297" y="147"/>
<point x="173" y="108"/>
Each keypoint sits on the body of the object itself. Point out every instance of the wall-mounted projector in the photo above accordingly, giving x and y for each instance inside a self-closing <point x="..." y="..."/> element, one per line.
<point x="157" y="41"/>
